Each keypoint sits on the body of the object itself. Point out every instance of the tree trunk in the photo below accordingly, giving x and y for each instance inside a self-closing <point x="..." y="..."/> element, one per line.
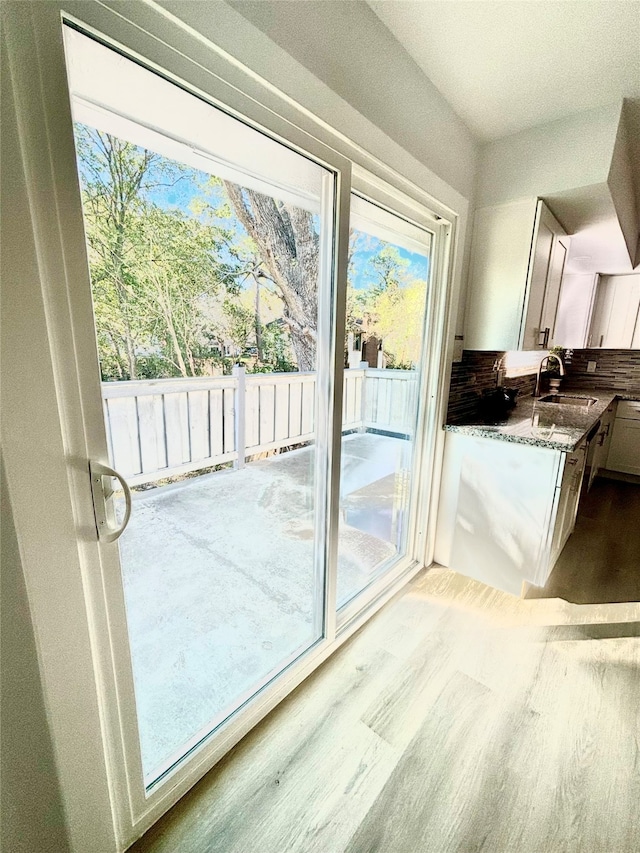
<point x="289" y="247"/>
<point x="258" y="323"/>
<point x="176" y="348"/>
<point x="131" y="357"/>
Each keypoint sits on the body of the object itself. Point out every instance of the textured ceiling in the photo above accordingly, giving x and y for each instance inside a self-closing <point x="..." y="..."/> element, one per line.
<point x="506" y="65"/>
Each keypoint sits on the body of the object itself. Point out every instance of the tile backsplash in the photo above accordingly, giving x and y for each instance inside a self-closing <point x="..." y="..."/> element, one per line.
<point x="471" y="376"/>
<point x="618" y="369"/>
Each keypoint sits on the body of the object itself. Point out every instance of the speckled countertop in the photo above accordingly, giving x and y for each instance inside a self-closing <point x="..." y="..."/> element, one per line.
<point x="557" y="426"/>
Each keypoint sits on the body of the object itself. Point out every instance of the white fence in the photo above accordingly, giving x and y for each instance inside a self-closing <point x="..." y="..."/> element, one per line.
<point x="162" y="427"/>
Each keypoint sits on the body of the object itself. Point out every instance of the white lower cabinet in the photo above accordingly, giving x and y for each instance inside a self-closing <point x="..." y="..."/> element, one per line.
<point x="567" y="500"/>
<point x="599" y="448"/>
<point x="624" y="451"/>
<point x="506" y="509"/>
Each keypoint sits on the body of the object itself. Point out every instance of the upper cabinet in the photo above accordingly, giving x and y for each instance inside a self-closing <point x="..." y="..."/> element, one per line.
<point x="574" y="309"/>
<point x="517" y="260"/>
<point x="615" y="323"/>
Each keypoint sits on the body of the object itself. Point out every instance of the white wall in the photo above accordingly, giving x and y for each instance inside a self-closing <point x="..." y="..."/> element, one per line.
<point x="32" y="813"/>
<point x="348" y="48"/>
<point x="43" y="573"/>
<point x="550" y="158"/>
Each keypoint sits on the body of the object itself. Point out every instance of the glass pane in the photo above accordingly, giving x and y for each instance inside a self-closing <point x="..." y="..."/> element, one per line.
<point x="204" y="240"/>
<point x="386" y="299"/>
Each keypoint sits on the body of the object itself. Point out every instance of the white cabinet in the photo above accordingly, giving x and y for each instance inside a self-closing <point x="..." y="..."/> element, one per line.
<point x="567" y="500"/>
<point x="624" y="451"/>
<point x="599" y="449"/>
<point x="506" y="510"/>
<point x="616" y="322"/>
<point x="517" y="260"/>
<point x="577" y="295"/>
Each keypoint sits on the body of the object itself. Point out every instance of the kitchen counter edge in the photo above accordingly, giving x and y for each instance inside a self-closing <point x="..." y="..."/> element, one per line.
<point x="515" y="428"/>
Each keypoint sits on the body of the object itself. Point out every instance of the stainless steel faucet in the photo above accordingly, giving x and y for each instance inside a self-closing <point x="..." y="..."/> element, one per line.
<point x="536" y="393"/>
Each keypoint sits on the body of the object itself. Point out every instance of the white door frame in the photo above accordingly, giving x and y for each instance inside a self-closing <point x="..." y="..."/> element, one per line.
<point x="106" y="807"/>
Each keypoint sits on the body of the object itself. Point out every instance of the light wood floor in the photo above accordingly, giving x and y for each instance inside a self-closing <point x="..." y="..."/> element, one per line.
<point x="458" y="719"/>
<point x="601" y="561"/>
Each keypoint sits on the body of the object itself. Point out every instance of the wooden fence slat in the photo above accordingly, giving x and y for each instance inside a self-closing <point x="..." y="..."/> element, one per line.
<point x="151" y="426"/>
<point x="371" y="402"/>
<point x="308" y="407"/>
<point x="252" y="416"/>
<point x="199" y="424"/>
<point x="357" y="408"/>
<point x="124" y="435"/>
<point x="176" y="419"/>
<point x="281" y="428"/>
<point x="346" y="388"/>
<point x="267" y="414"/>
<point x="353" y="400"/>
<point x="295" y="409"/>
<point x="228" y="406"/>
<point x="384" y="403"/>
<point x="107" y="421"/>
<point x="216" y="419"/>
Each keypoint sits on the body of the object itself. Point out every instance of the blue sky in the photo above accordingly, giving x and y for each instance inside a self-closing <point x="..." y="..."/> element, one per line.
<point x="187" y="190"/>
<point x="418" y="266"/>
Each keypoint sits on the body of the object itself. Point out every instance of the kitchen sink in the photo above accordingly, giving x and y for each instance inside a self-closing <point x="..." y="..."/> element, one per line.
<point x="566" y="400"/>
<point x="563" y="410"/>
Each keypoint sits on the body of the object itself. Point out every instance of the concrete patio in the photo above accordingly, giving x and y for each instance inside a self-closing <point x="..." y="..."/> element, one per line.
<point x="220" y="580"/>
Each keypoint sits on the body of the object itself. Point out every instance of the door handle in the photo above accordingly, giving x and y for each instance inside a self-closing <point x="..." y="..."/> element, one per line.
<point x="97" y="471"/>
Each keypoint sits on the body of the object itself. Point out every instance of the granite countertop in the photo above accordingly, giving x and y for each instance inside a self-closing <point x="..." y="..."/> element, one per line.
<point x="556" y="426"/>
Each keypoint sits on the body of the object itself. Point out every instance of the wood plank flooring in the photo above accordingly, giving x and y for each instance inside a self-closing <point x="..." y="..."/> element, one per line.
<point x="458" y="719"/>
<point x="601" y="561"/>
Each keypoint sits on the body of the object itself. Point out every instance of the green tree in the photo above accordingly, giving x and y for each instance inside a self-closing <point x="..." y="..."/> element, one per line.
<point x="114" y="173"/>
<point x="155" y="271"/>
<point x="239" y="326"/>
<point x="177" y="263"/>
<point x="389" y="269"/>
<point x="390" y="305"/>
<point x="398" y="321"/>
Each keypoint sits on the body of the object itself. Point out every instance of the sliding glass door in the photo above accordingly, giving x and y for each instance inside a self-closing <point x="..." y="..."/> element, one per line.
<point x="210" y="250"/>
<point x="248" y="359"/>
<point x="387" y="292"/>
